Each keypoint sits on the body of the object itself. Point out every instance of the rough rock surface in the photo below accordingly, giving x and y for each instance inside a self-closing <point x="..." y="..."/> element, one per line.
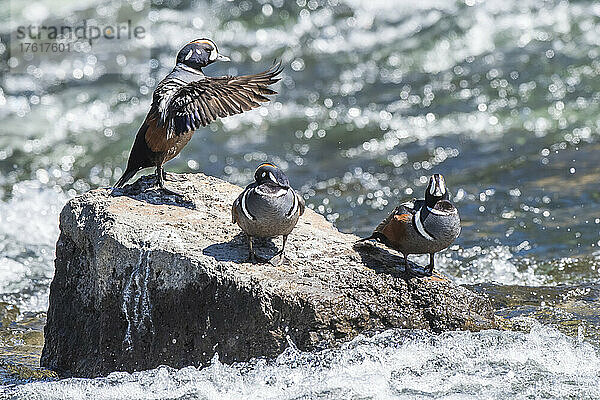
<point x="143" y="280"/>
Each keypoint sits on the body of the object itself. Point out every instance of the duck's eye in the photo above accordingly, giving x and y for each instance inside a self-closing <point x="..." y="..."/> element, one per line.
<point x="264" y="174"/>
<point x="189" y="55"/>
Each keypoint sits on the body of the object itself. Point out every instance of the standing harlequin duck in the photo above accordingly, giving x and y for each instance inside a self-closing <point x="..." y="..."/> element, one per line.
<point x="185" y="100"/>
<point x="268" y="207"/>
<point x="422" y="226"/>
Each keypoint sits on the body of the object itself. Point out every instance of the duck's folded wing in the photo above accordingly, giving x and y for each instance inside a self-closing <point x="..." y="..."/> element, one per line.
<point x="403" y="213"/>
<point x="301" y="203"/>
<point x="201" y="102"/>
<point x="234" y="211"/>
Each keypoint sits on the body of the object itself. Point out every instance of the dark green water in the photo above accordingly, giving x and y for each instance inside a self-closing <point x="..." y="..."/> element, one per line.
<point x="502" y="98"/>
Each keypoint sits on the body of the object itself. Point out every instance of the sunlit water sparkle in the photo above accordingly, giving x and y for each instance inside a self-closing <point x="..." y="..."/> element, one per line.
<point x="395" y="364"/>
<point x="500" y="97"/>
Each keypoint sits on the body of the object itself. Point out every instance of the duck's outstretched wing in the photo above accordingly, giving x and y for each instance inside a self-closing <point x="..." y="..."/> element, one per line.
<point x="201" y="102"/>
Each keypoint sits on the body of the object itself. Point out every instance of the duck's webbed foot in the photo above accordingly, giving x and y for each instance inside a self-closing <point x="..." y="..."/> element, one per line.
<point x="168" y="176"/>
<point x="160" y="181"/>
<point x="252" y="256"/>
<point x="279" y="258"/>
<point x="408" y="271"/>
<point x="411" y="273"/>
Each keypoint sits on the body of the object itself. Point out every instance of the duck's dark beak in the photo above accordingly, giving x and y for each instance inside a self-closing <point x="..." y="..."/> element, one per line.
<point x="279" y="179"/>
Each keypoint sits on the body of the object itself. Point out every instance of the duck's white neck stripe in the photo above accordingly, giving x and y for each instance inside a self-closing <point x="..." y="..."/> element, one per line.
<point x="189" y="69"/>
<point x="419" y="225"/>
<point x="278" y="193"/>
<point x="294" y="207"/>
<point x="438" y="212"/>
<point x="244" y="208"/>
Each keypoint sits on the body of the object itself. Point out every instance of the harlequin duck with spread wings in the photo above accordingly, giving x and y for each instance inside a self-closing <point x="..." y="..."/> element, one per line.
<point x="185" y="100"/>
<point x="267" y="207"/>
<point x="423" y="226"/>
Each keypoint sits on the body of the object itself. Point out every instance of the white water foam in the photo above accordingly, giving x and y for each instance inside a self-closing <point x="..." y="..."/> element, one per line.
<point x="543" y="363"/>
<point x="28" y="234"/>
<point x="495" y="264"/>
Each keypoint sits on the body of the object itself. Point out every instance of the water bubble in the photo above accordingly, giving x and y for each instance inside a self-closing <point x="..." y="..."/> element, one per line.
<point x="42" y="176"/>
<point x="354" y="112"/>
<point x="198" y="22"/>
<point x="256" y="56"/>
<point x="88" y="70"/>
<point x="297" y="64"/>
<point x="121" y="60"/>
<point x="267" y="10"/>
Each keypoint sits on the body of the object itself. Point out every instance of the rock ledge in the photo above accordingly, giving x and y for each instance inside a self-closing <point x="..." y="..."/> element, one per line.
<point x="142" y="281"/>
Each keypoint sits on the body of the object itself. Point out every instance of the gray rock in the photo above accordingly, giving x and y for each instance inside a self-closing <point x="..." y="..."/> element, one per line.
<point x="142" y="280"/>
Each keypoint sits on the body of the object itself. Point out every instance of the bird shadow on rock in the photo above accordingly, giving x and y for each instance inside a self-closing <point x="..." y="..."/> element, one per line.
<point x="382" y="261"/>
<point x="236" y="250"/>
<point x="144" y="189"/>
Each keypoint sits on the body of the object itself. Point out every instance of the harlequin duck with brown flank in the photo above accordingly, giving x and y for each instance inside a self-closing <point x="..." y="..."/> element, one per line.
<point x="185" y="100"/>
<point x="423" y="226"/>
<point x="268" y="207"/>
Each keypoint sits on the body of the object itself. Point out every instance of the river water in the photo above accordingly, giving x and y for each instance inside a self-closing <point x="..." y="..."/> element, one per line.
<point x="502" y="98"/>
